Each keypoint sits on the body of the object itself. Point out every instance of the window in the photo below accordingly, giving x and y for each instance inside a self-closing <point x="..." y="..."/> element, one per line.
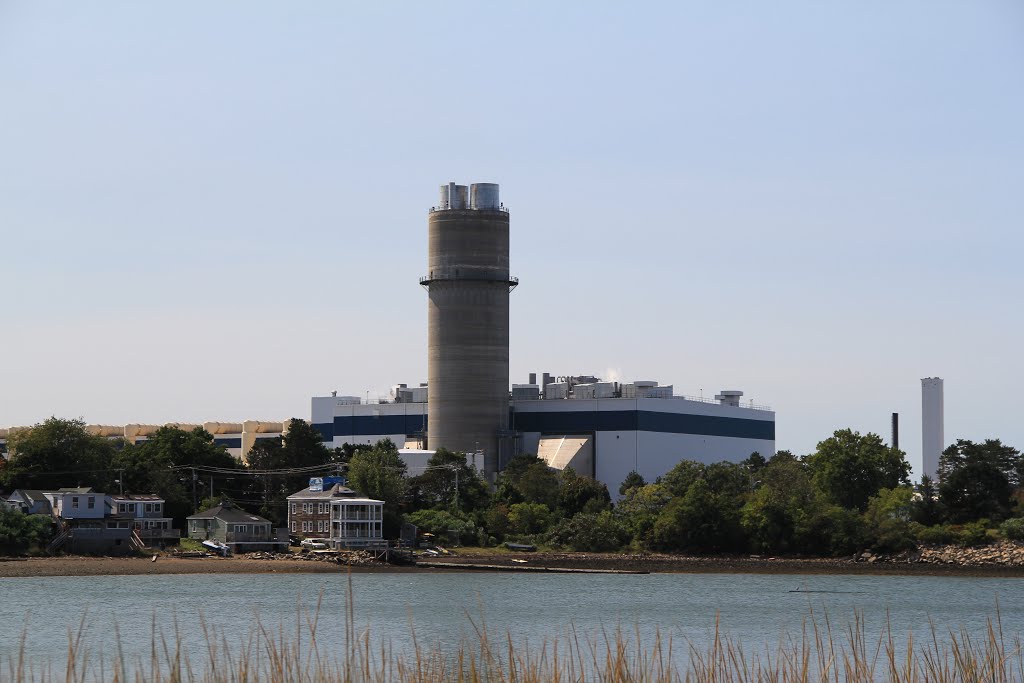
<point x="320" y="525"/>
<point x="293" y="527"/>
<point x="294" y="508"/>
<point x="122" y="507"/>
<point x="74" y="502"/>
<point x="91" y="502"/>
<point x="149" y="507"/>
<point x="195" y="525"/>
<point x="157" y="507"/>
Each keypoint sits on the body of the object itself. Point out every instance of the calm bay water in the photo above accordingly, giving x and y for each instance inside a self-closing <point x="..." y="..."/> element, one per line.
<point x="757" y="610"/>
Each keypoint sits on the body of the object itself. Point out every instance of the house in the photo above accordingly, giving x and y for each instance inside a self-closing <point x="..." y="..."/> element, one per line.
<point x="84" y="524"/>
<point x="342" y="517"/>
<point x="239" y="530"/>
<point x="145" y="515"/>
<point x="77" y="503"/>
<point x="30" y="501"/>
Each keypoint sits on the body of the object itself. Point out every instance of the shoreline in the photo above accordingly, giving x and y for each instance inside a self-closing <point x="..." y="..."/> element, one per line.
<point x="645" y="563"/>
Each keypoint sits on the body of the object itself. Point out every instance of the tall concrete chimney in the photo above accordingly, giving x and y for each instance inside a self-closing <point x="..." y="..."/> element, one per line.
<point x="932" y="418"/>
<point x="468" y="285"/>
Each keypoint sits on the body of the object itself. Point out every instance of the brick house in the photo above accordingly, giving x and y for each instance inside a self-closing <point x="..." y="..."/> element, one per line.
<point x="336" y="514"/>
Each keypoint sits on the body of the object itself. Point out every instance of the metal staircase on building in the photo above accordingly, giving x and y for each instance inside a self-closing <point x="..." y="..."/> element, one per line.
<point x="58" y="541"/>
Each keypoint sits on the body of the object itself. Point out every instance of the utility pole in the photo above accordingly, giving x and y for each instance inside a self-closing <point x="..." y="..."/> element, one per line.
<point x="456" y="469"/>
<point x="195" y="500"/>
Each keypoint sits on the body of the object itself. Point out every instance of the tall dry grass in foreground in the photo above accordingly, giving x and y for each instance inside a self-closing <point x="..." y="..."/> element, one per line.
<point x="818" y="653"/>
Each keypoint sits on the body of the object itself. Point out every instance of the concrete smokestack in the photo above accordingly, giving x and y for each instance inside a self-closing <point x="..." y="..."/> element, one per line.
<point x="895" y="441"/>
<point x="932" y="418"/>
<point x="468" y="284"/>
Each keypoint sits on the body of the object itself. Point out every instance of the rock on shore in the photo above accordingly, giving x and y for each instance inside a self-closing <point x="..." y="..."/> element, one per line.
<point x="1000" y="554"/>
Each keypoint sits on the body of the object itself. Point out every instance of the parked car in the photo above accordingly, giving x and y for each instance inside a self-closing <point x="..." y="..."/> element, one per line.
<point x="314" y="544"/>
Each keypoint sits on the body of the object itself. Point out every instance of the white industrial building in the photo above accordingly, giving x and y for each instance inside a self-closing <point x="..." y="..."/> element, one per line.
<point x="601" y="429"/>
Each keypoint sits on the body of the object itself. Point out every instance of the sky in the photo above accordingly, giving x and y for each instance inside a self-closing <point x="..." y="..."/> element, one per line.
<point x="215" y="211"/>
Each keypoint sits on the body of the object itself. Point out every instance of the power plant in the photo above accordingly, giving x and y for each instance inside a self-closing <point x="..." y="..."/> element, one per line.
<point x="601" y="429"/>
<point x="468" y="287"/>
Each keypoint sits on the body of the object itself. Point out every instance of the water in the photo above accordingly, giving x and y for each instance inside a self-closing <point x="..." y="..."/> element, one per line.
<point x="755" y="609"/>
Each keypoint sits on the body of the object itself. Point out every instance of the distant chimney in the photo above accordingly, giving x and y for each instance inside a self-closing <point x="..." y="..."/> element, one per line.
<point x="895" y="430"/>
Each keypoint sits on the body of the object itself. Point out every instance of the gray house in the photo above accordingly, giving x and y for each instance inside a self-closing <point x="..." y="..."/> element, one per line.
<point x="239" y="530"/>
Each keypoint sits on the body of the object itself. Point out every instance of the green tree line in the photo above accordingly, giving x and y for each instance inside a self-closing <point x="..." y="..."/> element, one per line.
<point x="853" y="492"/>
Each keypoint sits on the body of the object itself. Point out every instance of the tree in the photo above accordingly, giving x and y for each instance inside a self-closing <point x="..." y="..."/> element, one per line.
<point x="926" y="509"/>
<point x="776" y="513"/>
<point x="20" y="532"/>
<point x="437" y="485"/>
<point x="992" y="452"/>
<point x="887" y="520"/>
<point x="975" y="480"/>
<point x="754" y="463"/>
<point x="440" y="522"/>
<point x="851" y="468"/>
<point x="529" y="518"/>
<point x="589" y="532"/>
<point x="640" y="508"/>
<point x="632" y="480"/>
<point x="379" y="473"/>
<point x="527" y="478"/>
<point x="166" y="463"/>
<point x="581" y="494"/>
<point x="58" y="453"/>
<point x="679" y="479"/>
<point x="300" y="447"/>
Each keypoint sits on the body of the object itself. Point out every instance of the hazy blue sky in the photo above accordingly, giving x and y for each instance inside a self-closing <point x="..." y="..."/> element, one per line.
<point x="218" y="210"/>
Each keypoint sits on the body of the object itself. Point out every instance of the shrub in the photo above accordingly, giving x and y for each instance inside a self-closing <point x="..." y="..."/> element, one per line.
<point x="973" y="533"/>
<point x="440" y="522"/>
<point x="586" y="532"/>
<point x="1013" y="529"/>
<point x="529" y="518"/>
<point x="940" y="534"/>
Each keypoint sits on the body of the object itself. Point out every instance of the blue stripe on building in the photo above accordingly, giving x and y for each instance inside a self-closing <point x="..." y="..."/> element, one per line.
<point x="645" y="421"/>
<point x="567" y="422"/>
<point x="228" y="443"/>
<point x="348" y="425"/>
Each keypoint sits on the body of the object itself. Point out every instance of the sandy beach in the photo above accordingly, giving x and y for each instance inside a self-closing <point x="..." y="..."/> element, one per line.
<point x="654" y="563"/>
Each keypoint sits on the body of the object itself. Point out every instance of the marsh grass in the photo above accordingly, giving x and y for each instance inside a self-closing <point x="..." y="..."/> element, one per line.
<point x="819" y="652"/>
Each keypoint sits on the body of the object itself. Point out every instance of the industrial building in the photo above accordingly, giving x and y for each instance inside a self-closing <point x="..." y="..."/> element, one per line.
<point x="600" y="429"/>
<point x="237" y="438"/>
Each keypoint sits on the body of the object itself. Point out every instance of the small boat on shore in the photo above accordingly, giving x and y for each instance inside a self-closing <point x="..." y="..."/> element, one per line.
<point x="521" y="547"/>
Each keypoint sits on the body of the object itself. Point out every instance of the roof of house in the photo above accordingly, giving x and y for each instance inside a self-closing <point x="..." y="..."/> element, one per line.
<point x="33" y="495"/>
<point x="336" y="491"/>
<point x="229" y="513"/>
<point x="141" y="497"/>
<point x="75" y="489"/>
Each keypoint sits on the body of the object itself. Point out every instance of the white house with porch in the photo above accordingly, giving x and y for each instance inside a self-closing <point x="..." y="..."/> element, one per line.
<point x="357" y="523"/>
